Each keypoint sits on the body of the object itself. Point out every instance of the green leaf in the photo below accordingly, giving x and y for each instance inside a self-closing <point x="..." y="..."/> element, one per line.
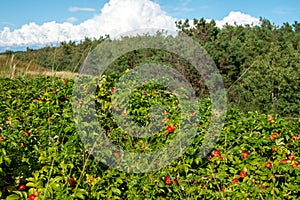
<point x="12" y="197"/>
<point x="119" y="180"/>
<point x="30" y="179"/>
<point x="80" y="193"/>
<point x="30" y="184"/>
<point x="116" y="190"/>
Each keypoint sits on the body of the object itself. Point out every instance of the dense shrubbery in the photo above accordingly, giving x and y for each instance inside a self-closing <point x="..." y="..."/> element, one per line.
<point x="257" y="156"/>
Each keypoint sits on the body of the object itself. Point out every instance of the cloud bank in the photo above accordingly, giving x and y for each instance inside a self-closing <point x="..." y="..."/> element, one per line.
<point x="116" y="17"/>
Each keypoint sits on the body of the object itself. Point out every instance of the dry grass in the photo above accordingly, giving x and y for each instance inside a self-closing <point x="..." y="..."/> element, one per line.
<point x="60" y="74"/>
<point x="12" y="68"/>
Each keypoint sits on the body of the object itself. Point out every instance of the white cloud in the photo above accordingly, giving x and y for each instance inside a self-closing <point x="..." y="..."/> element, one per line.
<point x="116" y="17"/>
<point x="72" y="20"/>
<point x="75" y="9"/>
<point x="238" y="18"/>
<point x="127" y="15"/>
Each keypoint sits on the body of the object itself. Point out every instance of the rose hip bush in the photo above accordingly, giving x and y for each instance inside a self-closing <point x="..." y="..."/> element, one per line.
<point x="42" y="156"/>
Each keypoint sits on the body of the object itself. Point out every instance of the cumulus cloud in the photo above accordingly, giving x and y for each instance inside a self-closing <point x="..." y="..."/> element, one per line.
<point x="75" y="9"/>
<point x="239" y="19"/>
<point x="116" y="17"/>
<point x="127" y="15"/>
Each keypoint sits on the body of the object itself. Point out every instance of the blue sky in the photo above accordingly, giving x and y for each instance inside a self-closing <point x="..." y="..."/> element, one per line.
<point x="15" y="13"/>
<point x="84" y="15"/>
<point x="277" y="11"/>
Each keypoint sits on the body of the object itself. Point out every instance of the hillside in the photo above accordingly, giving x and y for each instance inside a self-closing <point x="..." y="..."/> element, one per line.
<point x="13" y="68"/>
<point x="259" y="65"/>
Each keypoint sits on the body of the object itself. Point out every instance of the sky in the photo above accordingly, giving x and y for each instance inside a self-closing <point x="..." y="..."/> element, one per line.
<point x="33" y="23"/>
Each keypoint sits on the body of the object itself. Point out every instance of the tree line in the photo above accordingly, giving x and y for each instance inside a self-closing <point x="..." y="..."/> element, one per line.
<point x="260" y="64"/>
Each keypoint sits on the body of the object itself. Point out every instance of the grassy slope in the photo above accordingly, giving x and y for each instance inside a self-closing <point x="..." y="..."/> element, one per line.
<point x="12" y="68"/>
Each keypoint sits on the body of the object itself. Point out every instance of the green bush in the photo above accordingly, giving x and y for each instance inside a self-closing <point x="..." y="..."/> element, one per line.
<point x="40" y="147"/>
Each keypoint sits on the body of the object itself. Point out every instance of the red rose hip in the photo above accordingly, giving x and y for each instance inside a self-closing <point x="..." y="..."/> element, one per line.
<point x="235" y="181"/>
<point x="22" y="187"/>
<point x="168" y="180"/>
<point x="170" y="129"/>
<point x="243" y="174"/>
<point x="72" y="182"/>
<point x="245" y="154"/>
<point x="295" y="165"/>
<point x="32" y="197"/>
<point x="216" y="152"/>
<point x="268" y="164"/>
<point x="175" y="181"/>
<point x="291" y="158"/>
<point x="283" y="161"/>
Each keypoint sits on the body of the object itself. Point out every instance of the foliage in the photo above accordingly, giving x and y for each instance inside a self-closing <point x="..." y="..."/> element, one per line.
<point x="259" y="64"/>
<point x="40" y="147"/>
<point x="243" y="55"/>
<point x="66" y="56"/>
<point x="256" y="156"/>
